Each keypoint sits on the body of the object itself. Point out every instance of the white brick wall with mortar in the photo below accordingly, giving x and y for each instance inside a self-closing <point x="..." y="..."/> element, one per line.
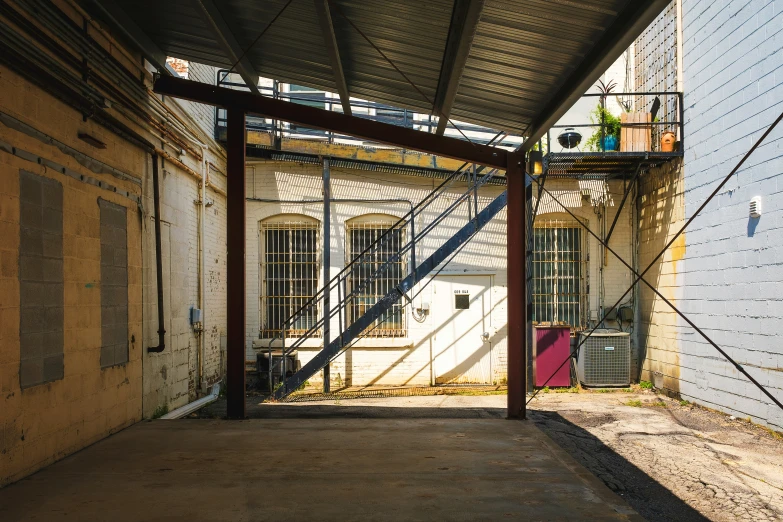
<point x="732" y="271"/>
<point x="170" y="377"/>
<point x="406" y="361"/>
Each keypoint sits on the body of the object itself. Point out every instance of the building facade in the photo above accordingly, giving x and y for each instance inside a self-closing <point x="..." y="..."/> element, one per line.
<point x="79" y="137"/>
<point x="725" y="271"/>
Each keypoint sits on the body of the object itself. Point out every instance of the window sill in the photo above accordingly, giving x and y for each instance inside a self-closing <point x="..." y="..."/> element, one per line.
<point x="317" y="343"/>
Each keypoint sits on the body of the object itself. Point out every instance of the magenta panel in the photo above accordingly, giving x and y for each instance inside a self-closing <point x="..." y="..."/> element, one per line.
<point x="553" y="346"/>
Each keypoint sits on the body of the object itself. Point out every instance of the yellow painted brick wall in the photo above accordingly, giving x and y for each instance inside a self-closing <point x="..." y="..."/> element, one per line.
<point x="41" y="424"/>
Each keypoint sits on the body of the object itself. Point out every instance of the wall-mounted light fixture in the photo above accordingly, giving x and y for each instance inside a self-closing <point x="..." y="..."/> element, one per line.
<point x="535" y="162"/>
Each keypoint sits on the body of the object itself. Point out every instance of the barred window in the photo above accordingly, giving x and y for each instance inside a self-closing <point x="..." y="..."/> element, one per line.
<point x="559" y="273"/>
<point x="289" y="274"/>
<point x="361" y="233"/>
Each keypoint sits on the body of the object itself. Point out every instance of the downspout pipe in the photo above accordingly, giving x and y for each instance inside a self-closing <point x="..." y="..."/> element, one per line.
<point x="158" y="259"/>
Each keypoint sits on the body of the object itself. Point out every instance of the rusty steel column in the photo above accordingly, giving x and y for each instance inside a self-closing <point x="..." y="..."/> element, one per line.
<point x="235" y="266"/>
<point x="516" y="289"/>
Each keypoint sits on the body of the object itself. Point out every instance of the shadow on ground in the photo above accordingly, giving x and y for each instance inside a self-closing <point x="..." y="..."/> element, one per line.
<point x="648" y="497"/>
<point x="643" y="493"/>
<point x="345" y="410"/>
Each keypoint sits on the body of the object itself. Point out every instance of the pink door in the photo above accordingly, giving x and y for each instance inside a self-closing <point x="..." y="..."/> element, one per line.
<point x="552" y="347"/>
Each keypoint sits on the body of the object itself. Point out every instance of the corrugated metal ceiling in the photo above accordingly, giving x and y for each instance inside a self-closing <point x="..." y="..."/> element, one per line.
<point x="523" y="52"/>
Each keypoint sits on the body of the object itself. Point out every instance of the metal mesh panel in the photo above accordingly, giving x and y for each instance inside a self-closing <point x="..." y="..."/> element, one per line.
<point x="375" y="275"/>
<point x="605" y="360"/>
<point x="289" y="267"/>
<point x="559" y="268"/>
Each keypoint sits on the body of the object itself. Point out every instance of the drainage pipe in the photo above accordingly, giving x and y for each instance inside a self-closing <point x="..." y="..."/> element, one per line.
<point x="195" y="405"/>
<point x="202" y="268"/>
<point x="158" y="258"/>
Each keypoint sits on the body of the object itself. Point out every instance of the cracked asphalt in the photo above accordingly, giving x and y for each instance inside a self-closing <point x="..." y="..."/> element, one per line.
<point x="669" y="461"/>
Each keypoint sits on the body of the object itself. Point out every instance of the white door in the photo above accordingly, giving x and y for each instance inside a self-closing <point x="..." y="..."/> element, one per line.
<point x="460" y="339"/>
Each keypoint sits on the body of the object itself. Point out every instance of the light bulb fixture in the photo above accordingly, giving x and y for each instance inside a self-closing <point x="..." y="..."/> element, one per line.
<point x="535" y="162"/>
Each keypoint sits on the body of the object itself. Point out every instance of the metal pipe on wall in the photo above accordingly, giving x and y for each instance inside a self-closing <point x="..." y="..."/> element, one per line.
<point x="158" y="259"/>
<point x="202" y="266"/>
<point x="327" y="262"/>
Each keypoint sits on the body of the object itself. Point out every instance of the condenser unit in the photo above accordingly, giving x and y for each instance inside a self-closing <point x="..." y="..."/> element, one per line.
<point x="604" y="358"/>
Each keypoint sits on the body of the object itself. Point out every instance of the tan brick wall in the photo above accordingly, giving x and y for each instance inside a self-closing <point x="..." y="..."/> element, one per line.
<point x="43" y="423"/>
<point x="661" y="215"/>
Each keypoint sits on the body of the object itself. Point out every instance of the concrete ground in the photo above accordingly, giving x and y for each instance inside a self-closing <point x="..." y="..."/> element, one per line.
<point x="452" y="458"/>
<point x="669" y="461"/>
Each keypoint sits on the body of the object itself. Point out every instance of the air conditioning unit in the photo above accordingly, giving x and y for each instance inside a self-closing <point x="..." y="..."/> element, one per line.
<point x="604" y="358"/>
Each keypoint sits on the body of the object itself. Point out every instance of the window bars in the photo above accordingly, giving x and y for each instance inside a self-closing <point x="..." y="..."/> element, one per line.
<point x="289" y="268"/>
<point x="559" y="273"/>
<point x="376" y="274"/>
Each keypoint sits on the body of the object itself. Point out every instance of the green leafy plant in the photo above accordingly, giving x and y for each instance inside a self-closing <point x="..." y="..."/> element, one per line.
<point x="601" y="116"/>
<point x="636" y="403"/>
<point x="611" y="127"/>
<point x="645" y="385"/>
<point x="160" y="411"/>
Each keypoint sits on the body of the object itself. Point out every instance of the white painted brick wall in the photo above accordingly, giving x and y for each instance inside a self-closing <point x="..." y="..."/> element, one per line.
<point x="393" y="364"/>
<point x="170" y="377"/>
<point x="733" y="266"/>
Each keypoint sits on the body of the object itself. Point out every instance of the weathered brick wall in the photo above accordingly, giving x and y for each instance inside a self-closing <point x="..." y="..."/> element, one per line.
<point x="107" y="380"/>
<point x="408" y="360"/>
<point x="732" y="273"/>
<point x="42" y="423"/>
<point x="203" y="115"/>
<point x="661" y="206"/>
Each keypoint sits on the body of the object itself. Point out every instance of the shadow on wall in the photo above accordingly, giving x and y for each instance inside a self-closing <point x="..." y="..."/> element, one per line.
<point x="661" y="213"/>
<point x="752" y="224"/>
<point x="649" y="498"/>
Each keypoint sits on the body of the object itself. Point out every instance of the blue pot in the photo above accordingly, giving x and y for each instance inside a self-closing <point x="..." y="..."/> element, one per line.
<point x="610" y="142"/>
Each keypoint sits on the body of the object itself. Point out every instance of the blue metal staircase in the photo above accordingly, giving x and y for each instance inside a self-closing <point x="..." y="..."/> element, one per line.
<point x="378" y="312"/>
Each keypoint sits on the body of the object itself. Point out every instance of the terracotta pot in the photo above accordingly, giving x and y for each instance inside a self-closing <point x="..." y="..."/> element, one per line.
<point x="667" y="141"/>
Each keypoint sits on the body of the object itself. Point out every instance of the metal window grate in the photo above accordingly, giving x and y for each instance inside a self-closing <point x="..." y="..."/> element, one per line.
<point x="559" y="273"/>
<point x="376" y="274"/>
<point x="289" y="267"/>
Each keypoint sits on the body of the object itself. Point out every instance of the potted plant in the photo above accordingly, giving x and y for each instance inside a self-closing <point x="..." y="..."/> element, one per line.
<point x="607" y="134"/>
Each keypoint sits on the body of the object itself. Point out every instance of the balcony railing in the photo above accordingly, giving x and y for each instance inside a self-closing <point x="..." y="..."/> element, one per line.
<point x="623" y="123"/>
<point x="363" y="109"/>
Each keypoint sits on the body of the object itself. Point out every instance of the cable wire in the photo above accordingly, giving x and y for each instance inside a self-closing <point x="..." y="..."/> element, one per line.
<point x="640" y="277"/>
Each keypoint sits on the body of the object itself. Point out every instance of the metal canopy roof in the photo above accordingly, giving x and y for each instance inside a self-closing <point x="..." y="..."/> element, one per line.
<point x="513" y="65"/>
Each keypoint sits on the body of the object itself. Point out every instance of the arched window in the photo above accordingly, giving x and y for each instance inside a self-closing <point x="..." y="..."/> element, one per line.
<point x="288" y="272"/>
<point x="560" y="271"/>
<point x="377" y="272"/>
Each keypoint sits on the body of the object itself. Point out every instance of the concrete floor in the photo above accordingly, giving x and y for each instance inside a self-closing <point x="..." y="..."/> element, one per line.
<point x="403" y="464"/>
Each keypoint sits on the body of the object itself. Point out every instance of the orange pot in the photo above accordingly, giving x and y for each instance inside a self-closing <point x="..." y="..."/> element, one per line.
<point x="667" y="141"/>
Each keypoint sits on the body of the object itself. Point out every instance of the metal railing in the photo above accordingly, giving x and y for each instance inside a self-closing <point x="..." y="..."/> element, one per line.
<point x="364" y="269"/>
<point x="362" y="109"/>
<point x="669" y="105"/>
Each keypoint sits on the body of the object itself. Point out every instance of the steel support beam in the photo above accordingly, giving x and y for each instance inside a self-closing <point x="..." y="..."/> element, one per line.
<point x="628" y="25"/>
<point x="327" y="261"/>
<point x="464" y="20"/>
<point x="225" y="38"/>
<point x="235" y="265"/>
<point x="327" y="28"/>
<point x="332" y="121"/>
<point x="125" y="24"/>
<point x="516" y="292"/>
